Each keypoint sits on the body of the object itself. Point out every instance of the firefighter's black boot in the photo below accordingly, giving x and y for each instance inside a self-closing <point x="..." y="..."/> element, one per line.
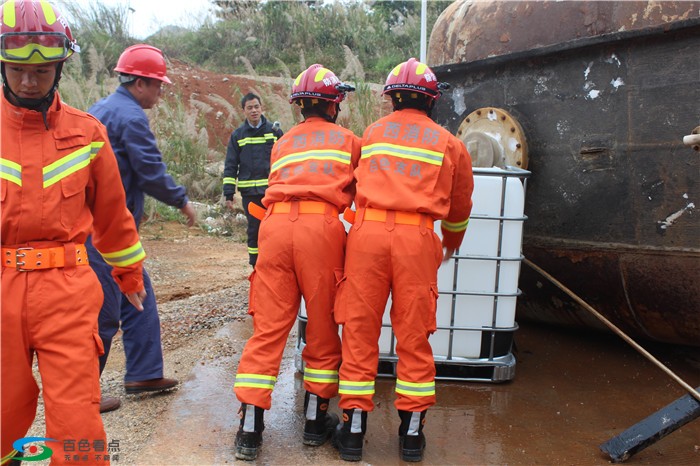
<point x="249" y="436"/>
<point x="411" y="437"/>
<point x="320" y="424"/>
<point x="349" y="436"/>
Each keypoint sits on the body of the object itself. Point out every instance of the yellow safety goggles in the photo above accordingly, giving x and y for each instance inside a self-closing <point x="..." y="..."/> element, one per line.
<point x="35" y="48"/>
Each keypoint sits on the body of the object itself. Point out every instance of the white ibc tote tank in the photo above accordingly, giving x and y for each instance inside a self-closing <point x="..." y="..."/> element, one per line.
<point x="478" y="286"/>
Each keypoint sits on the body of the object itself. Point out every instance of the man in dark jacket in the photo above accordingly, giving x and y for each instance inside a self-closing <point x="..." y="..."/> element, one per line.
<point x="248" y="163"/>
<point x="142" y="72"/>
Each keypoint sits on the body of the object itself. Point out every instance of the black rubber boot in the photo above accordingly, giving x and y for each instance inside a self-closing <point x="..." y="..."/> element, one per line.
<point x="249" y="436"/>
<point x="411" y="437"/>
<point x="320" y="424"/>
<point x="349" y="437"/>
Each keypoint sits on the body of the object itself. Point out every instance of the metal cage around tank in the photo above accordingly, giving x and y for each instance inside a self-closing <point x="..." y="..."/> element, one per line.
<point x="477" y="289"/>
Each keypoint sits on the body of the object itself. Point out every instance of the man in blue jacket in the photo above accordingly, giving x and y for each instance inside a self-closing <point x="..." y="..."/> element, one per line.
<point x="248" y="164"/>
<point x="142" y="71"/>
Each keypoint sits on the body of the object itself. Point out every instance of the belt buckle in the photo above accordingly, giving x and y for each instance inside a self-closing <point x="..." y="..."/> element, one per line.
<point x="18" y="256"/>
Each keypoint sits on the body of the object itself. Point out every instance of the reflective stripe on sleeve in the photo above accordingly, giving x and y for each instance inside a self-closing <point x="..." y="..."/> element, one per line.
<point x="228" y="180"/>
<point x="257" y="140"/>
<point x="455" y="227"/>
<point x="125" y="257"/>
<point x="252" y="183"/>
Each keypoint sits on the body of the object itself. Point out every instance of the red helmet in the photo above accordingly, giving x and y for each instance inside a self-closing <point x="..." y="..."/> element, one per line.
<point x="143" y="60"/>
<point x="33" y="32"/>
<point x="414" y="76"/>
<point x="317" y="82"/>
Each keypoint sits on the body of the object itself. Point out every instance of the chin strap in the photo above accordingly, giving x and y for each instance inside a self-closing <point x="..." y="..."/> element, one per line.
<point x="38" y="105"/>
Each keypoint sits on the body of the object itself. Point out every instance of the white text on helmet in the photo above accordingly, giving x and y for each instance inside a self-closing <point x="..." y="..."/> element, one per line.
<point x="329" y="81"/>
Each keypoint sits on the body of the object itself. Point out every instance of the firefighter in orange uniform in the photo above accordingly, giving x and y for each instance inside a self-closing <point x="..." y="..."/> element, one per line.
<point x="411" y="173"/>
<point x="302" y="246"/>
<point x="60" y="182"/>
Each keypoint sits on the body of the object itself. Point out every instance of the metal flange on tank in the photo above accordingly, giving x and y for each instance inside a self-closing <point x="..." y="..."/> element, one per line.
<point x="494" y="139"/>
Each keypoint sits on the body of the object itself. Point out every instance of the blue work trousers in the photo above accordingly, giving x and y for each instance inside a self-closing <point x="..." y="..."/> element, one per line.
<point x="140" y="329"/>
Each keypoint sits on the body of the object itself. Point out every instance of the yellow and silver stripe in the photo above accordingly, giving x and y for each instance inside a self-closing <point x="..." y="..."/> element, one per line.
<point x="11" y="171"/>
<point x="415" y="389"/>
<point x="71" y="163"/>
<point x="321" y="155"/>
<point x="404" y="152"/>
<point x="347" y="387"/>
<point x="320" y="376"/>
<point x="455" y="227"/>
<point x="266" y="382"/>
<point x="252" y="183"/>
<point x="257" y="140"/>
<point x="125" y="257"/>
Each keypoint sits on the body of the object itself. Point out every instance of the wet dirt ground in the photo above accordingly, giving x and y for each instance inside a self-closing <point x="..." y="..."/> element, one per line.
<point x="571" y="392"/>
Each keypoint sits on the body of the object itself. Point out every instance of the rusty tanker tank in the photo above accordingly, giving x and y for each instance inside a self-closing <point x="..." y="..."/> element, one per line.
<point x="600" y="101"/>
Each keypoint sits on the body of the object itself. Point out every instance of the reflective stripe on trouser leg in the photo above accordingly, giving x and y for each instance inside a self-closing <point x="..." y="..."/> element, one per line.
<point x="414" y="424"/>
<point x="323" y="378"/>
<point x="275" y="295"/>
<point x="359" y="307"/>
<point x="19" y="389"/>
<point x="319" y="268"/>
<point x="311" y="407"/>
<point x="356" y="388"/>
<point x="356" y="422"/>
<point x="249" y="419"/>
<point x="415" y="259"/>
<point x="418" y="393"/>
<point x="64" y="332"/>
<point x="252" y="231"/>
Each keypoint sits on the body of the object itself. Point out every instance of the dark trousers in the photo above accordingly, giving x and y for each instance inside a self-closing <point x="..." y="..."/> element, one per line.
<point x="253" y="227"/>
<point x="140" y="329"/>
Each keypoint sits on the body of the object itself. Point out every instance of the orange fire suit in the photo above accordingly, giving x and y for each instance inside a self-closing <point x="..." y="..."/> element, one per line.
<point x="57" y="185"/>
<point x="412" y="172"/>
<point x="302" y="248"/>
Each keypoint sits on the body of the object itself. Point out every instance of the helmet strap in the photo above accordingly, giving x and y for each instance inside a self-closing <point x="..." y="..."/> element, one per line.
<point x="38" y="105"/>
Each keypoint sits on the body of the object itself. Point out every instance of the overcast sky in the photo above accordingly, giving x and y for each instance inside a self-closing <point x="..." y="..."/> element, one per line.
<point x="150" y="15"/>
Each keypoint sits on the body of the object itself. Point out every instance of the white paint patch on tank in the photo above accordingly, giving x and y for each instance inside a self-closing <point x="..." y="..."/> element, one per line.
<point x="562" y="128"/>
<point x="458" y="101"/>
<point x="613" y="59"/>
<point x="512" y="144"/>
<point x="541" y="86"/>
<point x="492" y="116"/>
<point x="593" y="94"/>
<point x="588" y="70"/>
<point x="495" y="136"/>
<point x="685" y="195"/>
<point x="617" y="82"/>
<point x="671" y="219"/>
